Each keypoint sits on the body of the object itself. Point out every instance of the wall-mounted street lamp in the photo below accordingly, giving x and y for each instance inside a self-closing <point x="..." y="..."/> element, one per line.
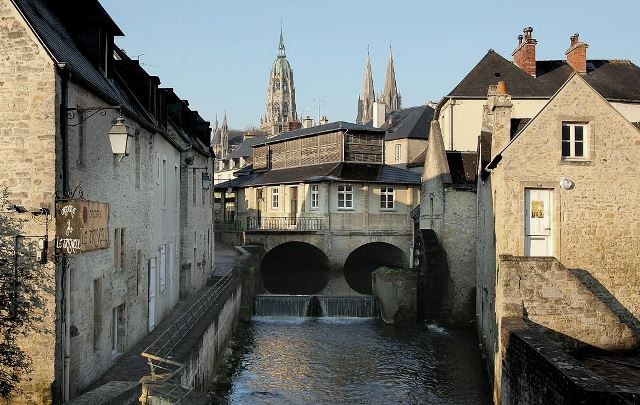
<point x="120" y="134"/>
<point x="206" y="177"/>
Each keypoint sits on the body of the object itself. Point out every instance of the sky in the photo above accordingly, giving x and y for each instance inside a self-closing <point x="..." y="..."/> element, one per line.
<point x="218" y="54"/>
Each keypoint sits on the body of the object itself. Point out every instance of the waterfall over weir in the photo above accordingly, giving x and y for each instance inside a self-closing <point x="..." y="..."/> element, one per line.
<point x="364" y="306"/>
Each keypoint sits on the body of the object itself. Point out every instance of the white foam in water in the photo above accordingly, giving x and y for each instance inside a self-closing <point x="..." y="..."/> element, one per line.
<point x="434" y="327"/>
<point x="282" y="305"/>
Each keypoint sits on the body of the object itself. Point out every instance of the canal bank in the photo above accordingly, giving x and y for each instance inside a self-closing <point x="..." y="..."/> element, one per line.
<point x="351" y="360"/>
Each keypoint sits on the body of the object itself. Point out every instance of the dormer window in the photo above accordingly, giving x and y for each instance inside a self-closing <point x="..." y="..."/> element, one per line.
<point x="575" y="141"/>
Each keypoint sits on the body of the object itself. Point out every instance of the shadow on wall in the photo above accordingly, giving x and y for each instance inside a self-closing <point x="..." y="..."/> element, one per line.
<point x="605" y="296"/>
<point x="433" y="280"/>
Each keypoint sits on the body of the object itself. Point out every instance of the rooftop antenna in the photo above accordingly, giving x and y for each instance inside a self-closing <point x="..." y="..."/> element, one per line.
<point x="319" y="101"/>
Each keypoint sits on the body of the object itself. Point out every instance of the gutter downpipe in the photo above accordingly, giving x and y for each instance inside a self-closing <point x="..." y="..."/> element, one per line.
<point x="66" y="308"/>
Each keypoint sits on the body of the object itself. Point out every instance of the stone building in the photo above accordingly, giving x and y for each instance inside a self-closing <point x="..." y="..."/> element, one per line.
<point x="280" y="115"/>
<point x="67" y="87"/>
<point x="532" y="83"/>
<point x="557" y="216"/>
<point x="326" y="209"/>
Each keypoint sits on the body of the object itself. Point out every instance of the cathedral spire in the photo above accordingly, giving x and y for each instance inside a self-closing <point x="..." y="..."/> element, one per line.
<point x="367" y="96"/>
<point x="281" y="52"/>
<point x="390" y="96"/>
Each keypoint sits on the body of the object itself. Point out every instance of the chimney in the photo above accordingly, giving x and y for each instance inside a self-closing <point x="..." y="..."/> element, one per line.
<point x="498" y="111"/>
<point x="577" y="54"/>
<point x="324" y="120"/>
<point x="378" y="114"/>
<point x="525" y="54"/>
<point x="307" y="122"/>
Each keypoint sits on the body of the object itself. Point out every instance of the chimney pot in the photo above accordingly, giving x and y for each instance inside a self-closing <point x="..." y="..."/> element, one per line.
<point x="520" y="37"/>
<point x="527" y="32"/>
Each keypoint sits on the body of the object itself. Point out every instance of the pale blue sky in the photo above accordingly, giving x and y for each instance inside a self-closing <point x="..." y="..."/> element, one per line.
<point x="218" y="54"/>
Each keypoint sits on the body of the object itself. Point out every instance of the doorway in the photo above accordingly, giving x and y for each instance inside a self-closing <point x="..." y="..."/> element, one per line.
<point x="538" y="220"/>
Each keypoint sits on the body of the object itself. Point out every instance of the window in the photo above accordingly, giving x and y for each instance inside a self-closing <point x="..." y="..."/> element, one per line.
<point x="117" y="329"/>
<point x="97" y="312"/>
<point x="157" y="169"/>
<point x="345" y="197"/>
<point x="398" y="152"/>
<point x="137" y="160"/>
<point x="118" y="249"/>
<point x="163" y="267"/>
<point x="81" y="140"/>
<point x="574" y="140"/>
<point x="164" y="183"/>
<point x="193" y="186"/>
<point x="315" y="194"/>
<point x="176" y="176"/>
<point x="275" y="198"/>
<point x="387" y="198"/>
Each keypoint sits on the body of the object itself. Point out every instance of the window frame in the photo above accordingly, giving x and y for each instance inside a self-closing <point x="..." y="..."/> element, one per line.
<point x="275" y="198"/>
<point x="586" y="141"/>
<point x="314" y="193"/>
<point x="398" y="152"/>
<point x="344" y="191"/>
<point x="385" y="193"/>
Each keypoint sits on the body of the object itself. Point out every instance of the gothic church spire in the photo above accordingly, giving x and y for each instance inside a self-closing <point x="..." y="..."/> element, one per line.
<point x="390" y="96"/>
<point x="367" y="96"/>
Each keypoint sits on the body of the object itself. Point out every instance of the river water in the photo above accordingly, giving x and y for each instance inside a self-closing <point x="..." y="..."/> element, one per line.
<point x="355" y="361"/>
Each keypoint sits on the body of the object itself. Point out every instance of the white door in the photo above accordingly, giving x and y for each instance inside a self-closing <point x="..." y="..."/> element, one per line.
<point x="152" y="293"/>
<point x="538" y="219"/>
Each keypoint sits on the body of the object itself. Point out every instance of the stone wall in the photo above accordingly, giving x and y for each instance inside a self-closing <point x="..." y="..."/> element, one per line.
<point x="544" y="291"/>
<point x="536" y="372"/>
<point x="196" y="219"/>
<point x="202" y="362"/>
<point x="27" y="158"/>
<point x="97" y="287"/>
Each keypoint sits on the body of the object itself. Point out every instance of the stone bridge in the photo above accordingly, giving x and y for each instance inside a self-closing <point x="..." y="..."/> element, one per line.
<point x="322" y="261"/>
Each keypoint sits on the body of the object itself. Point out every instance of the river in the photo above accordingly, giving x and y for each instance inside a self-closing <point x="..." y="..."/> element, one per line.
<point x="355" y="361"/>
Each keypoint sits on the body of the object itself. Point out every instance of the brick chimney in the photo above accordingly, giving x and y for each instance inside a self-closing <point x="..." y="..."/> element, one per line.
<point x="577" y="54"/>
<point x="524" y="55"/>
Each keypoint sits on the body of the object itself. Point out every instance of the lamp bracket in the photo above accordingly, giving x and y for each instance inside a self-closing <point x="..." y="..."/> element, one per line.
<point x="73" y="112"/>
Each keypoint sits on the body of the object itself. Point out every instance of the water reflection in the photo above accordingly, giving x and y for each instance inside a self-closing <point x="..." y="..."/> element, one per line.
<point x="349" y="360"/>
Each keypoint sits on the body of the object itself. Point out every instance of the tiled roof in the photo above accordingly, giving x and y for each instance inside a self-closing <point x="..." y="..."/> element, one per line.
<point x="320" y="129"/>
<point x="613" y="79"/>
<point x="412" y="123"/>
<point x="348" y="172"/>
<point x="233" y="183"/>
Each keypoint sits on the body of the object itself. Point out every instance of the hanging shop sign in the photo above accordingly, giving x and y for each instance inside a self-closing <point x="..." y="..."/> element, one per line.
<point x="81" y="226"/>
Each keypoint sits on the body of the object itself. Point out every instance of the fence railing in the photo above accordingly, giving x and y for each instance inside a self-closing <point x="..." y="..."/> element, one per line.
<point x="161" y="352"/>
<point x="304" y="224"/>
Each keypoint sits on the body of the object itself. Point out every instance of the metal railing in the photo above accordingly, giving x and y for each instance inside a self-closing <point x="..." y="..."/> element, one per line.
<point x="160" y="353"/>
<point x="284" y="224"/>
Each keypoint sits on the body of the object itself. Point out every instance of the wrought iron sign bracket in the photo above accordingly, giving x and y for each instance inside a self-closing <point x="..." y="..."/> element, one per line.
<point x="73" y="112"/>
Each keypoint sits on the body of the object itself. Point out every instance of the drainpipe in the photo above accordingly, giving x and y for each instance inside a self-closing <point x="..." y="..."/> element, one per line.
<point x="66" y="283"/>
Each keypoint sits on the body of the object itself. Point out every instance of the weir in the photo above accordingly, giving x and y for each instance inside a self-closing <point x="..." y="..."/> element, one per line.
<point x="364" y="306"/>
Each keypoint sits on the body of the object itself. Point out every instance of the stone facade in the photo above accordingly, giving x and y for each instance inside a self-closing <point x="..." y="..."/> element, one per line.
<point x="593" y="220"/>
<point x="27" y="157"/>
<point x="105" y="291"/>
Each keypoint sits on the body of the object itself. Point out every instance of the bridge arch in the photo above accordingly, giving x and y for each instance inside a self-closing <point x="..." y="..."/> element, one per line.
<point x="365" y="259"/>
<point x="295" y="268"/>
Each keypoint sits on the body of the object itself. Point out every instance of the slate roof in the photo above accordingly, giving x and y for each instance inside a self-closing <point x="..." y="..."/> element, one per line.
<point x="245" y="149"/>
<point x="62" y="48"/>
<point x="336" y="172"/>
<point x="463" y="167"/>
<point x="615" y="80"/>
<point x="411" y="123"/>
<point x="233" y="183"/>
<point x="320" y="129"/>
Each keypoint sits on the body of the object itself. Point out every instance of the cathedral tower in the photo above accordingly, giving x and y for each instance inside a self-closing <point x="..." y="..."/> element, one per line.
<point x="367" y="96"/>
<point x="281" y="95"/>
<point x="390" y="96"/>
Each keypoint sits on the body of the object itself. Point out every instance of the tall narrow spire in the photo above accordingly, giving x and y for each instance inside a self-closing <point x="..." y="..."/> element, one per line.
<point x="367" y="96"/>
<point x="281" y="52"/>
<point x="390" y="95"/>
